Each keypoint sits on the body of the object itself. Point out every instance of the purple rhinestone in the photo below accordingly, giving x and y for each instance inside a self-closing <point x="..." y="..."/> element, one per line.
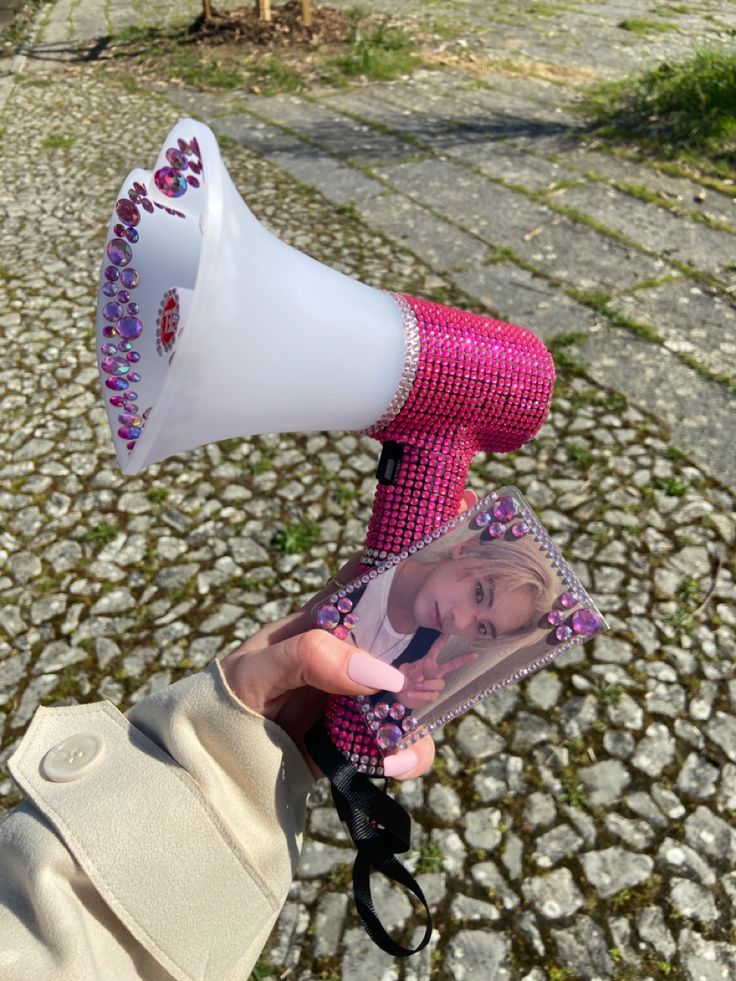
<point x="567" y="601"/>
<point x="123" y="295"/>
<point x="108" y="289"/>
<point x="147" y="206"/>
<point x="132" y="235"/>
<point x="328" y="617"/>
<point x="554" y="617"/>
<point x="481" y="520"/>
<point x="141" y="188"/>
<point x="112" y="274"/>
<point x="115" y="365"/>
<point x="563" y="632"/>
<point x="494" y="530"/>
<point x="129" y="432"/>
<point x="177" y="159"/>
<point x="130" y="446"/>
<point x="134" y="196"/>
<point x="397" y="711"/>
<point x="119" y="252"/>
<point x="112" y="311"/>
<point x="183" y="145"/>
<point x="134" y="377"/>
<point x="388" y="736"/>
<point x="341" y="633"/>
<point x="116" y="383"/>
<point x="127" y="212"/>
<point x="130" y="328"/>
<point x="170" y="182"/>
<point x="133" y="308"/>
<point x="194" y="143"/>
<point x="109" y="331"/>
<point x="116" y="400"/>
<point x="586" y="622"/>
<point x="125" y="346"/>
<point x="119" y="229"/>
<point x="134" y="357"/>
<point x="380" y="710"/>
<point x="109" y="349"/>
<point x="130" y="419"/>
<point x="349" y="621"/>
<point x="130" y="279"/>
<point x="504" y="509"/>
<point x="192" y="181"/>
<point x="409" y="723"/>
<point x="344" y="605"/>
<point x="520" y="529"/>
<point x="195" y="166"/>
<point x="133" y="396"/>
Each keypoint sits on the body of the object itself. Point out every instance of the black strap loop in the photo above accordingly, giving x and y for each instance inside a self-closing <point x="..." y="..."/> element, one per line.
<point x="379" y="827"/>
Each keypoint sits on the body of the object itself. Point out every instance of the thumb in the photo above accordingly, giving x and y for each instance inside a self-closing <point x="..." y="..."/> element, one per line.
<point x="313" y="659"/>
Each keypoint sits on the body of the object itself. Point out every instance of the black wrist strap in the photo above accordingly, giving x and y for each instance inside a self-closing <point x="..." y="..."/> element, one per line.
<point x="379" y="828"/>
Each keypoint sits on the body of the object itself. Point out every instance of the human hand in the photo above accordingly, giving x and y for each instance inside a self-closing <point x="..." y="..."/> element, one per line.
<point x="424" y="678"/>
<point x="286" y="671"/>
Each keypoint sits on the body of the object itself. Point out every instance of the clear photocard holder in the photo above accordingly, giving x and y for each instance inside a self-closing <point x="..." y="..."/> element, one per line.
<point x="482" y="603"/>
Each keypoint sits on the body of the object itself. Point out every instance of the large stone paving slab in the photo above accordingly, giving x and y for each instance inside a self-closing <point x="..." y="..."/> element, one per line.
<point x="672" y="237"/>
<point x="691" y="319"/>
<point x="516" y="295"/>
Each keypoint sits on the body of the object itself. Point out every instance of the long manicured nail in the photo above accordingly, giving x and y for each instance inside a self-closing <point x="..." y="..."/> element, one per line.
<point x="399" y="763"/>
<point x="367" y="670"/>
<point x="470" y="498"/>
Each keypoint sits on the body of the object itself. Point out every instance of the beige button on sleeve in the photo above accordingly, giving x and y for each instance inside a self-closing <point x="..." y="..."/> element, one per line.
<point x="161" y="845"/>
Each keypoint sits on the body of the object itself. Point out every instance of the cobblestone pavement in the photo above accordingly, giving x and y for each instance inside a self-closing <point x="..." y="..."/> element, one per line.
<point x="579" y="825"/>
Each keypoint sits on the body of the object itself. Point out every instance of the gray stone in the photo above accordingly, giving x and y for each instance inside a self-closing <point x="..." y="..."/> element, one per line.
<point x="444" y="803"/>
<point x="539" y="810"/>
<point x="479" y="953"/>
<point x="651" y="927"/>
<point x="544" y="689"/>
<point x="618" y="743"/>
<point x="555" y="845"/>
<point x="487" y="874"/>
<point x="635" y="834"/>
<point x="317" y="859"/>
<point x="578" y="715"/>
<point x="655" y="751"/>
<point x="583" y="948"/>
<point x="605" y="782"/>
<point x="473" y="910"/>
<point x="692" y="900"/>
<point x="698" y="777"/>
<point x="364" y="961"/>
<point x="475" y="740"/>
<point x="667" y="801"/>
<point x="554" y="895"/>
<point x="329" y="921"/>
<point x="685" y="861"/>
<point x="530" y="730"/>
<point x="614" y="869"/>
<point x="116" y="601"/>
<point x="722" y="731"/>
<point x="706" y="960"/>
<point x="710" y="835"/>
<point x="512" y="856"/>
<point x="481" y="828"/>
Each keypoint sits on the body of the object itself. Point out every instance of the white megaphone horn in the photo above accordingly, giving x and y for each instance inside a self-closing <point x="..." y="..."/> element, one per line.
<point x="209" y="327"/>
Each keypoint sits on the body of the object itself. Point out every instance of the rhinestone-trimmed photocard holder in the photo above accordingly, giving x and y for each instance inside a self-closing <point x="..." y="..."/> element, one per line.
<point x="481" y="603"/>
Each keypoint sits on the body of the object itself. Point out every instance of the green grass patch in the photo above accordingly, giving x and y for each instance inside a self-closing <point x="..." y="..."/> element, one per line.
<point x="380" y="52"/>
<point x="644" y="25"/>
<point x="203" y="73"/>
<point x="579" y="454"/>
<point x="57" y="142"/>
<point x="101" y="534"/>
<point x="431" y="857"/>
<point x="271" y="76"/>
<point x="295" y="539"/>
<point x="156" y="495"/>
<point x="683" y="110"/>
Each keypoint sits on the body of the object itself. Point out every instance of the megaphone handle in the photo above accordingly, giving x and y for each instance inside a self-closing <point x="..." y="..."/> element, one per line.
<point x="425" y="493"/>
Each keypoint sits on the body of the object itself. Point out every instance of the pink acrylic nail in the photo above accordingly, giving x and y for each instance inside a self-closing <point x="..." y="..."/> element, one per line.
<point x="367" y="670"/>
<point x="399" y="763"/>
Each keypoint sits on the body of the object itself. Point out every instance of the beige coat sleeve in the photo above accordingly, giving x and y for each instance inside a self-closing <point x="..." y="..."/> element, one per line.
<point x="166" y="850"/>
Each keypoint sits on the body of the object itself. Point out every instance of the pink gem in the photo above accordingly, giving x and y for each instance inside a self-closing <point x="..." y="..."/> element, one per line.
<point x="328" y="617"/>
<point x="554" y="617"/>
<point x="380" y="710"/>
<point x="341" y="633"/>
<point x="397" y="711"/>
<point x="586" y="622"/>
<point x="504" y="509"/>
<point x="344" y="604"/>
<point x="170" y="182"/>
<point x="563" y="632"/>
<point x="567" y="601"/>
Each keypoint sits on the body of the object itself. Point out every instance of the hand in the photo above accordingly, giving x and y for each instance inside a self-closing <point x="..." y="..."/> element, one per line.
<point x="284" y="671"/>
<point x="424" y="677"/>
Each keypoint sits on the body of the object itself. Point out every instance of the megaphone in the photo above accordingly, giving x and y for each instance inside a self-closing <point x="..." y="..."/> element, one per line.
<point x="209" y="327"/>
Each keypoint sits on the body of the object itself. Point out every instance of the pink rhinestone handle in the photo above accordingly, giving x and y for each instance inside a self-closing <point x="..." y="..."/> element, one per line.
<point x="479" y="385"/>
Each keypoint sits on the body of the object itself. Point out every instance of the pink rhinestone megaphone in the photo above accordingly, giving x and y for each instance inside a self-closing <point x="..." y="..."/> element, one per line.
<point x="470" y="384"/>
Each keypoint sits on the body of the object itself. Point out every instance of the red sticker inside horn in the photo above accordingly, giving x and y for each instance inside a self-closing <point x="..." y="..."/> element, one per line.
<point x="168" y="322"/>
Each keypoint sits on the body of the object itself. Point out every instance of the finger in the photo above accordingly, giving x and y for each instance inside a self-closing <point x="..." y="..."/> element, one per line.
<point x="467" y="500"/>
<point x="428" y="684"/>
<point x="316" y="659"/>
<point x="407" y="764"/>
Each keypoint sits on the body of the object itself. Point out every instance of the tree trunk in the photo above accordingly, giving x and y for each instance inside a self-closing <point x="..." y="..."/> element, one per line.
<point x="264" y="9"/>
<point x="307" y="13"/>
<point x="207" y="11"/>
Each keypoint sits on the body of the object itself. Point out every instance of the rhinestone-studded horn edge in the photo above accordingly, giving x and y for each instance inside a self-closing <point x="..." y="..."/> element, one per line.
<point x="120" y="360"/>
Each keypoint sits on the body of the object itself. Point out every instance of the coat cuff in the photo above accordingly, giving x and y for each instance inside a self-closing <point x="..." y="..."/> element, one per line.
<point x="189" y="823"/>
